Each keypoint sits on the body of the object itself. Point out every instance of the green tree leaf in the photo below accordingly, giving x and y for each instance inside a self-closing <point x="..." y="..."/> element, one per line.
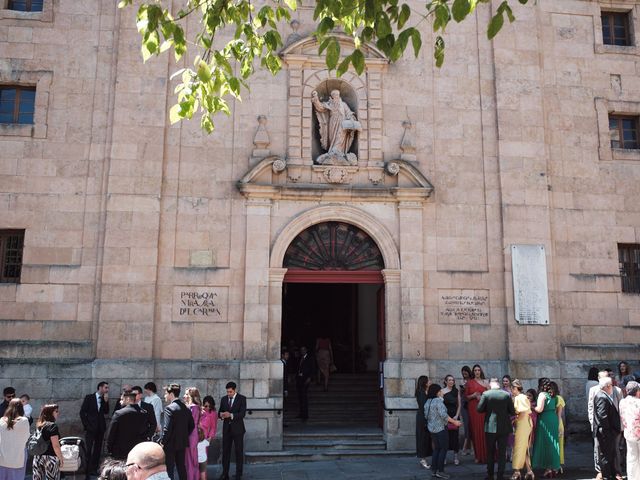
<point x="495" y="25"/>
<point x="333" y="54"/>
<point x="460" y="10"/>
<point x="357" y="59"/>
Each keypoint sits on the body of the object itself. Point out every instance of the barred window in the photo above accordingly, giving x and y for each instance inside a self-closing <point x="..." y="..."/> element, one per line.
<point x="26" y="5"/>
<point x="624" y="131"/>
<point x="615" y="28"/>
<point x="11" y="246"/>
<point x="629" y="258"/>
<point x="17" y="104"/>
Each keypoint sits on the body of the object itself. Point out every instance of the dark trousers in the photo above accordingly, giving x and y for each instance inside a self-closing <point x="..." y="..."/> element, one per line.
<point x="175" y="459"/>
<point x="93" y="442"/>
<point x="238" y="442"/>
<point x="303" y="396"/>
<point x="440" y="447"/>
<point x="608" y="447"/>
<point x="493" y="440"/>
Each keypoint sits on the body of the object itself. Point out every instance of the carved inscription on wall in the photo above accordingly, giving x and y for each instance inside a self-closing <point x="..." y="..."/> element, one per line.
<point x="530" y="293"/>
<point x="463" y="306"/>
<point x="200" y="304"/>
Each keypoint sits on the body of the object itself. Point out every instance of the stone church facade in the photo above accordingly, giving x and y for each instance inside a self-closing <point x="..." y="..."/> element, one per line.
<point x="152" y="251"/>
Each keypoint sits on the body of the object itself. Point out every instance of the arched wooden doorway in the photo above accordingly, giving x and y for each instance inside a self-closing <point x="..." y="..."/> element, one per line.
<point x="334" y="288"/>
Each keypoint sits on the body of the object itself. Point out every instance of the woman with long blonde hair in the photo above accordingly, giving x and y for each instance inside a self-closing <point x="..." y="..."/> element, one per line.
<point x="14" y="433"/>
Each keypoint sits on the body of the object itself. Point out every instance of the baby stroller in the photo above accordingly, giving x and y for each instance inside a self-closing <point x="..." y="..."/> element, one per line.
<point x="74" y="454"/>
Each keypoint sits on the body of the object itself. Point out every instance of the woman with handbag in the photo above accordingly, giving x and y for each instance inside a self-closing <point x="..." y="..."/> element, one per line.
<point x="437" y="418"/>
<point x="451" y="398"/>
<point x="193" y="401"/>
<point x="47" y="465"/>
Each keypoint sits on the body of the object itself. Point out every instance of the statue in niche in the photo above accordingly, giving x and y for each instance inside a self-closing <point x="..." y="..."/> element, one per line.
<point x="338" y="127"/>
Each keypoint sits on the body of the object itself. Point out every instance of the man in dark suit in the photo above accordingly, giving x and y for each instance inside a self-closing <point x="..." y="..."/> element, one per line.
<point x="305" y="372"/>
<point x="178" y="425"/>
<point x="125" y="388"/>
<point x="147" y="408"/>
<point x="233" y="408"/>
<point x="129" y="427"/>
<point x="92" y="414"/>
<point x="497" y="406"/>
<point x="606" y="428"/>
<point x="9" y="394"/>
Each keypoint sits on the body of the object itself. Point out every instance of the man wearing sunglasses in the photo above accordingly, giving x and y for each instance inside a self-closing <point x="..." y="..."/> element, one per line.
<point x="9" y="394"/>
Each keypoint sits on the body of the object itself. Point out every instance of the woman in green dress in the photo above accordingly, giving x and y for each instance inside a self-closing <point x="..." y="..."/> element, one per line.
<point x="546" y="448"/>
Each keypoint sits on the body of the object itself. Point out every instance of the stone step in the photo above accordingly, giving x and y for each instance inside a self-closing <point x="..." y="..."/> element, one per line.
<point x="333" y="435"/>
<point x="333" y="444"/>
<point x="305" y="455"/>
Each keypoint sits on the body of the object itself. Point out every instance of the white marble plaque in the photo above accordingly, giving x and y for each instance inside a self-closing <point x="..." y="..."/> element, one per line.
<point x="200" y="304"/>
<point x="530" y="292"/>
<point x="463" y="306"/>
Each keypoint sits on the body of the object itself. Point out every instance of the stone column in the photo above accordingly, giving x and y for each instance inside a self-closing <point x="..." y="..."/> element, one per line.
<point x="412" y="281"/>
<point x="256" y="278"/>
<point x="276" y="277"/>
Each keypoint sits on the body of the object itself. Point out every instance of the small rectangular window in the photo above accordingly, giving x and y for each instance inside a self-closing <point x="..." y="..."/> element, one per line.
<point x="17" y="104"/>
<point x="11" y="246"/>
<point x="26" y="5"/>
<point x="629" y="258"/>
<point x="624" y="131"/>
<point x="615" y="28"/>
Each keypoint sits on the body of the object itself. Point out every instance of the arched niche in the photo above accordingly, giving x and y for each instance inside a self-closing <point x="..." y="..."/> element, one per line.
<point x="349" y="96"/>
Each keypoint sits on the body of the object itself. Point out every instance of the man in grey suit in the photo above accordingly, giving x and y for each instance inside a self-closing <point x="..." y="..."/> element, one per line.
<point x="497" y="406"/>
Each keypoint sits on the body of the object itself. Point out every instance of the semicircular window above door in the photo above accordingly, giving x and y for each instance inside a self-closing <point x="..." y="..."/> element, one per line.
<point x="333" y="246"/>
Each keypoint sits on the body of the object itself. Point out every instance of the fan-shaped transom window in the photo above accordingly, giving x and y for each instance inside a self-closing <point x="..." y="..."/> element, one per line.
<point x="333" y="246"/>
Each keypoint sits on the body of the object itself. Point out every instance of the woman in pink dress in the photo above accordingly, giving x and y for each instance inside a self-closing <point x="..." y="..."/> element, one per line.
<point x="209" y="425"/>
<point x="473" y="391"/>
<point x="193" y="401"/>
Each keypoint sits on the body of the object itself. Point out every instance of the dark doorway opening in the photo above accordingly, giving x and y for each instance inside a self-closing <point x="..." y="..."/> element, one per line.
<point x="344" y="312"/>
<point x="348" y="314"/>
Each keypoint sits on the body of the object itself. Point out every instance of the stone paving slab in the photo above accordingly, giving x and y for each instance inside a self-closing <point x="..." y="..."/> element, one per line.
<point x="578" y="453"/>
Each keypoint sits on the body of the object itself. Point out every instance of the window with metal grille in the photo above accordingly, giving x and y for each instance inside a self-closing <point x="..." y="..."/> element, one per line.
<point x="17" y="104"/>
<point x="629" y="258"/>
<point x="624" y="131"/>
<point x="26" y="5"/>
<point x="615" y="28"/>
<point x="11" y="246"/>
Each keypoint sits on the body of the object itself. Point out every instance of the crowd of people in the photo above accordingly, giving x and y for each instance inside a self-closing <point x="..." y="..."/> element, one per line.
<point x="182" y="431"/>
<point x="501" y="422"/>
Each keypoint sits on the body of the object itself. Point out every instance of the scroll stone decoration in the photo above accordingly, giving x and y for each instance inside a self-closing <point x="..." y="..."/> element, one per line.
<point x="338" y="126"/>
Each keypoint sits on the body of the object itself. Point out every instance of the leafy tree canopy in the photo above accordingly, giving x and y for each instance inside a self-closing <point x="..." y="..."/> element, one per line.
<point x="221" y="67"/>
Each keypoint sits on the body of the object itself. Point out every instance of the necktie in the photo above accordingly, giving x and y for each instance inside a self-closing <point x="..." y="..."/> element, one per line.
<point x="230" y="402"/>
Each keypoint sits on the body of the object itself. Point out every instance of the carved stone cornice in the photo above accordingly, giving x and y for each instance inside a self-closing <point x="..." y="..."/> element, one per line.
<point x="408" y="187"/>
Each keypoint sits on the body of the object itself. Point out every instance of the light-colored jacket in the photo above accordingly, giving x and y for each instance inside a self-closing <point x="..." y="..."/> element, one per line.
<point x="13" y="442"/>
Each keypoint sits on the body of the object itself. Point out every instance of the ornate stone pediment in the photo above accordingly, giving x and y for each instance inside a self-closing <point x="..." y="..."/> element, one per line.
<point x="274" y="178"/>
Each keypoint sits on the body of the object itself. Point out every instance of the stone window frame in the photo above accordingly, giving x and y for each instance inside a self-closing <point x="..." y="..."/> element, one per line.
<point x="604" y="108"/>
<point x="46" y="15"/>
<point x="41" y="80"/>
<point x="629" y="269"/>
<point x="634" y="28"/>
<point x="5" y="235"/>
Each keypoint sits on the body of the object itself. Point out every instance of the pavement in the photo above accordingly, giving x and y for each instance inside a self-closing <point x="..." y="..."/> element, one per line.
<point x="578" y="456"/>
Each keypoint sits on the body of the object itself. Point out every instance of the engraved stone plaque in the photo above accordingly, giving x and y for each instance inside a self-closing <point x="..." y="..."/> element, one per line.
<point x="200" y="304"/>
<point x="531" y="296"/>
<point x="463" y="306"/>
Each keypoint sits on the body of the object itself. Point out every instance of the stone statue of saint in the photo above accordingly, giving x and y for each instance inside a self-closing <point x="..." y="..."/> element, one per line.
<point x="338" y="126"/>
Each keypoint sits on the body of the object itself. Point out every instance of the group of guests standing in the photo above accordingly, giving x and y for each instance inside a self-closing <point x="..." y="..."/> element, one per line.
<point x="488" y="412"/>
<point x="184" y="429"/>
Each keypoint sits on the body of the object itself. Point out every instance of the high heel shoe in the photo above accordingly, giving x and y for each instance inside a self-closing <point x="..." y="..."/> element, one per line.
<point x="515" y="476"/>
<point x="529" y="476"/>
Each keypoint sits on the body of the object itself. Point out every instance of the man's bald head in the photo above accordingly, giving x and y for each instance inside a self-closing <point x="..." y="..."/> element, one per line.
<point x="145" y="459"/>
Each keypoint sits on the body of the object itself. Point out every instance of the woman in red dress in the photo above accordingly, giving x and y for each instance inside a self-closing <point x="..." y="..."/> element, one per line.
<point x="473" y="391"/>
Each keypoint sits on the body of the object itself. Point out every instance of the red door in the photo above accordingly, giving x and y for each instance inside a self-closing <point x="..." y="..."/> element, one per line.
<point x="382" y="351"/>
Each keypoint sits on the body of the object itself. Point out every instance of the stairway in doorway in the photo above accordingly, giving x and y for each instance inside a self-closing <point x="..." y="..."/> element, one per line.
<point x="343" y="423"/>
<point x="352" y="399"/>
